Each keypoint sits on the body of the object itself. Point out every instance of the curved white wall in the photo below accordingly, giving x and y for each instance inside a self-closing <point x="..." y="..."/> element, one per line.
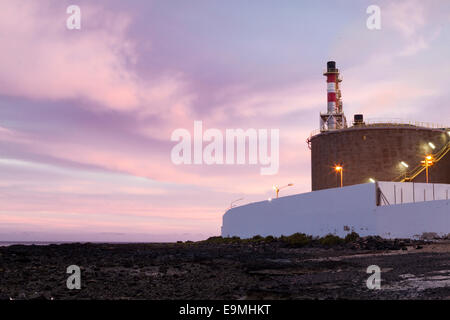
<point x="337" y="211"/>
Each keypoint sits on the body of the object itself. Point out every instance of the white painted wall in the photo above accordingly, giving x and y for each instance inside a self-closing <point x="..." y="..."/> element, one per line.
<point x="406" y="192"/>
<point x="335" y="211"/>
<point x="411" y="220"/>
<point x="316" y="213"/>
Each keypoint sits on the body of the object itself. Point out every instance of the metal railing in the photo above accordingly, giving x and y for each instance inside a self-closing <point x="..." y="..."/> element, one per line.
<point x="391" y="193"/>
<point x="402" y="123"/>
<point x="387" y="123"/>
<point x="409" y="176"/>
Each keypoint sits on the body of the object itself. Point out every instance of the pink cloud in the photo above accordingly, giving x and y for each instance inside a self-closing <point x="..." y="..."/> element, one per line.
<point x="407" y="17"/>
<point x="41" y="59"/>
<point x="12" y="136"/>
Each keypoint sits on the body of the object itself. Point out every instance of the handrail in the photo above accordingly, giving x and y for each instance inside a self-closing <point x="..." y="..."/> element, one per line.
<point x="402" y="122"/>
<point x="419" y="169"/>
<point x="370" y="123"/>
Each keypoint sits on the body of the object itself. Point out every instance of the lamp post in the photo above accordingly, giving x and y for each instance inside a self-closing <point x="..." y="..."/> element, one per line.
<point x="405" y="167"/>
<point x="232" y="203"/>
<point x="277" y="188"/>
<point x="340" y="169"/>
<point x="427" y="163"/>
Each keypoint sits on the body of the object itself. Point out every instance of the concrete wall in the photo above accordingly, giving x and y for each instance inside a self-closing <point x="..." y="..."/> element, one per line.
<point x="406" y="192"/>
<point x="412" y="220"/>
<point x="315" y="213"/>
<point x="338" y="211"/>
<point x="374" y="152"/>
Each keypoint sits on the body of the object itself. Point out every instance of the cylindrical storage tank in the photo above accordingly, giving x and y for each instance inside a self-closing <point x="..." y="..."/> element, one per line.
<point x="376" y="152"/>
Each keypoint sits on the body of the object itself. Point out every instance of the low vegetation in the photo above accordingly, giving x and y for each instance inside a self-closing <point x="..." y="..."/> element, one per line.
<point x="331" y="240"/>
<point x="296" y="240"/>
<point x="351" y="237"/>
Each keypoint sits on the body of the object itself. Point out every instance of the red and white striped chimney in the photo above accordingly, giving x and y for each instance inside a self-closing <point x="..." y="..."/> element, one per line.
<point x="331" y="92"/>
<point x="334" y="109"/>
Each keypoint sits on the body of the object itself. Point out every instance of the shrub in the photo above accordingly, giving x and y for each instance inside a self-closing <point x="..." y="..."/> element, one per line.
<point x="269" y="239"/>
<point x="218" y="239"/>
<point x="351" y="237"/>
<point x="330" y="240"/>
<point x="257" y="238"/>
<point x="297" y="239"/>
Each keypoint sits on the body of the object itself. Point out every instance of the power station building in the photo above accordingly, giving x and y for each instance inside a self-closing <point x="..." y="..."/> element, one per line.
<point x="386" y="178"/>
<point x="373" y="151"/>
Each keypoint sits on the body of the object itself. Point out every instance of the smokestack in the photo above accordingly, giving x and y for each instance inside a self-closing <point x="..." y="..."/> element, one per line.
<point x="332" y="75"/>
<point x="331" y="65"/>
<point x="334" y="118"/>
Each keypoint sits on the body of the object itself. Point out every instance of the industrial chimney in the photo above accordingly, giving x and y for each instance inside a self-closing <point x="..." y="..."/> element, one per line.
<point x="334" y="118"/>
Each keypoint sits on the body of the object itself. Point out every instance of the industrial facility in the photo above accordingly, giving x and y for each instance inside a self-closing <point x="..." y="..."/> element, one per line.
<point x="368" y="151"/>
<point x="388" y="178"/>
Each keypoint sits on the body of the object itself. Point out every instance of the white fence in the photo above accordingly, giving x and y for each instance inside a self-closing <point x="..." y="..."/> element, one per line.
<point x="410" y="192"/>
<point x="342" y="210"/>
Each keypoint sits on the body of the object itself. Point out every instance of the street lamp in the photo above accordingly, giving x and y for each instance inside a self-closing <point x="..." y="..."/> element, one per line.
<point x="405" y="167"/>
<point x="232" y="203"/>
<point x="432" y="146"/>
<point x="277" y="188"/>
<point x="340" y="169"/>
<point x="427" y="163"/>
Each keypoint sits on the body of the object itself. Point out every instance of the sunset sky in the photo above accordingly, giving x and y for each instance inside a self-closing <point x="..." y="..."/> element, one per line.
<point x="86" y="115"/>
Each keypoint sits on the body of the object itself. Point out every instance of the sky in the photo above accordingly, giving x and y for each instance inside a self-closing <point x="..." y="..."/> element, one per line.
<point x="86" y="115"/>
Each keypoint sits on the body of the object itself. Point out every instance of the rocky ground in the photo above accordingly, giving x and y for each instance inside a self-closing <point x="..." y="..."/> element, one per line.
<point x="241" y="270"/>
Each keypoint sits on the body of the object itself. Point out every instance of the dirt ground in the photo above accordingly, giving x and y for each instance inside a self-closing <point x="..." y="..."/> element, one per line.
<point x="226" y="271"/>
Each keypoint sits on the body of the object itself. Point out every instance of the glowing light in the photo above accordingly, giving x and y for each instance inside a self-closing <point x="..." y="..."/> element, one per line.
<point x="270" y="199"/>
<point x="277" y="188"/>
<point x="432" y="146"/>
<point x="403" y="163"/>
<point x="340" y="169"/>
<point x="371" y="180"/>
<point x="427" y="163"/>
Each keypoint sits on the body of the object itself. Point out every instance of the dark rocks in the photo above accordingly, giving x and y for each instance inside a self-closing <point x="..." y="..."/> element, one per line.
<point x="232" y="270"/>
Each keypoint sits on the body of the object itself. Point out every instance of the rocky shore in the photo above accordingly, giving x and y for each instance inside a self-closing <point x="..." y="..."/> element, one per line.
<point x="217" y="269"/>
